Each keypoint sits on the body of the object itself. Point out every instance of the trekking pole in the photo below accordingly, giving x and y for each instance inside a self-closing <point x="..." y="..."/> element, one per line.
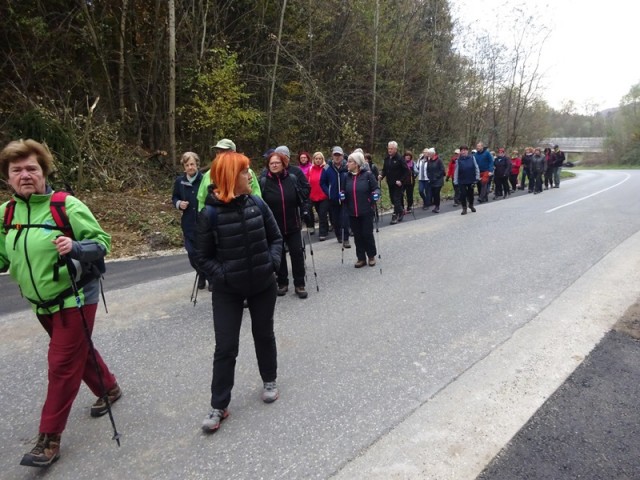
<point x="92" y="350"/>
<point x="194" y="290"/>
<point x="304" y="255"/>
<point x="313" y="262"/>
<point x="377" y="218"/>
<point x="342" y="222"/>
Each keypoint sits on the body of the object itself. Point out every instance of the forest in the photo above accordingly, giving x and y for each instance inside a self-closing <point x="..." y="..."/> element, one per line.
<point x="118" y="89"/>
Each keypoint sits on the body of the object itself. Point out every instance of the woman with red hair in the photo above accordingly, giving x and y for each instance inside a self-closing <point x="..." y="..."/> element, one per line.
<point x="239" y="247"/>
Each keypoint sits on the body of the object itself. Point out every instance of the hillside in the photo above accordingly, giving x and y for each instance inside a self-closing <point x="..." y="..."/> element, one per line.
<point x="140" y="222"/>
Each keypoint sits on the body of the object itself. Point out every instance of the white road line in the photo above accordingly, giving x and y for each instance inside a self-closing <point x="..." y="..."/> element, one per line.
<point x="589" y="196"/>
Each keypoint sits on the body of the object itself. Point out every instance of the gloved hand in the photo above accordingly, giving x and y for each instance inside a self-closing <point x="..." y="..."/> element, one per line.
<point x="342" y="196"/>
<point x="306" y="217"/>
<point x="376" y="196"/>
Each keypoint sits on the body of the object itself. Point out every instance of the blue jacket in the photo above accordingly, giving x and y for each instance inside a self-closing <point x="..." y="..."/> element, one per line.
<point x="467" y="172"/>
<point x="331" y="181"/>
<point x="484" y="160"/>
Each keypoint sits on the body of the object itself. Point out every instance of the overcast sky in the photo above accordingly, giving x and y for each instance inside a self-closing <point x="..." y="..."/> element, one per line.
<point x="592" y="55"/>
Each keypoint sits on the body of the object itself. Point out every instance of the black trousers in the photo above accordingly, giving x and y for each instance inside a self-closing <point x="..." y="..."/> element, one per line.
<point x="408" y="191"/>
<point x="502" y="186"/>
<point x="395" y="194"/>
<point x="322" y="210"/>
<point x="339" y="220"/>
<point x="537" y="182"/>
<point x="513" y="179"/>
<point x="296" y="252"/>
<point x="435" y="196"/>
<point x="362" y="228"/>
<point x="227" y="319"/>
<point x="466" y="195"/>
<point x="526" y="175"/>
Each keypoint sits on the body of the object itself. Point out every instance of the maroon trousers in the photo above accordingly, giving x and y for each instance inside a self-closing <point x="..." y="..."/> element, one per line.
<point x="70" y="363"/>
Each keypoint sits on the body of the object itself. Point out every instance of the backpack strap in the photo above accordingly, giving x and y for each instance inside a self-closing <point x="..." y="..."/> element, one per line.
<point x="260" y="203"/>
<point x="8" y="215"/>
<point x="59" y="213"/>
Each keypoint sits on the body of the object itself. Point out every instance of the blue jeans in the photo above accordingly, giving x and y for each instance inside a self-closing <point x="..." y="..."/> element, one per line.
<point x="424" y="190"/>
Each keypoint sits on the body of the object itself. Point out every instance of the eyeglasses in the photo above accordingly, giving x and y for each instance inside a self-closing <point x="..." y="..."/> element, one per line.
<point x="276" y="164"/>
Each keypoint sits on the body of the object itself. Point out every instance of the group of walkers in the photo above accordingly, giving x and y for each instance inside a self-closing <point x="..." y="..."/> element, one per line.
<point x="238" y="227"/>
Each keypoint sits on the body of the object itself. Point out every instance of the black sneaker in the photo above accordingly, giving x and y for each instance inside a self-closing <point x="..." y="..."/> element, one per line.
<point x="394" y="219"/>
<point x="46" y="451"/>
<point x="211" y="422"/>
<point x="99" y="408"/>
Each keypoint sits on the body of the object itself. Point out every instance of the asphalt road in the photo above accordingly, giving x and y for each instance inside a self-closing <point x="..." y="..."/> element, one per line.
<point x="425" y="370"/>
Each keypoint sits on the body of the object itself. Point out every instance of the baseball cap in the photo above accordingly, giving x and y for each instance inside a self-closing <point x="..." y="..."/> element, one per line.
<point x="268" y="153"/>
<point x="337" y="149"/>
<point x="226" y="144"/>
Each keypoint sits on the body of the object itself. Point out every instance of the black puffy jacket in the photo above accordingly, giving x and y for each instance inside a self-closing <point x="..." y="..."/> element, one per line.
<point x="241" y="250"/>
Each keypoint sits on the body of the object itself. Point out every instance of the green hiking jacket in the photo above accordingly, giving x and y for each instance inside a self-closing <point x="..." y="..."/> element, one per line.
<point x="30" y="255"/>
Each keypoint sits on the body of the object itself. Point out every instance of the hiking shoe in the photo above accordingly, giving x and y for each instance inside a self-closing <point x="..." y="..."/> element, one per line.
<point x="473" y="209"/>
<point x="99" y="408"/>
<point x="282" y="290"/>
<point x="46" y="451"/>
<point x="301" y="292"/>
<point x="360" y="264"/>
<point x="346" y="244"/>
<point x="270" y="392"/>
<point x="211" y="422"/>
<point x="464" y="211"/>
<point x="394" y="219"/>
<point x="322" y="239"/>
<point x="372" y="261"/>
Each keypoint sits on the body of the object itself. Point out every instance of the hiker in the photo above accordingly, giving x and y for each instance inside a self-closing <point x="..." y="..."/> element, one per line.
<point x="360" y="192"/>
<point x="239" y="248"/>
<point x="394" y="169"/>
<point x="36" y="252"/>
<point x="318" y="199"/>
<point x="330" y="181"/>
<point x="280" y="192"/>
<point x="466" y="175"/>
<point x="185" y="199"/>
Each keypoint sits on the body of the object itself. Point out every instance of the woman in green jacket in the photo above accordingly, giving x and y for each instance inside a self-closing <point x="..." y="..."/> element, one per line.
<point x="41" y="257"/>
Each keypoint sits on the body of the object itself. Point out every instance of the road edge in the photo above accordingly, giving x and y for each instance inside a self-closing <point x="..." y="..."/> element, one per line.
<point x="457" y="432"/>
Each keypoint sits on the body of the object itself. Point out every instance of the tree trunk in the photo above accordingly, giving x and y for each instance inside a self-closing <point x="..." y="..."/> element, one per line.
<point x="172" y="82"/>
<point x="375" y="78"/>
<point x="122" y="66"/>
<point x="275" y="68"/>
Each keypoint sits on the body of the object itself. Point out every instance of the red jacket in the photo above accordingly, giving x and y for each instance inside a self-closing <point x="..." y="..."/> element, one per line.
<point x="451" y="168"/>
<point x="314" y="174"/>
<point x="516" y="163"/>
